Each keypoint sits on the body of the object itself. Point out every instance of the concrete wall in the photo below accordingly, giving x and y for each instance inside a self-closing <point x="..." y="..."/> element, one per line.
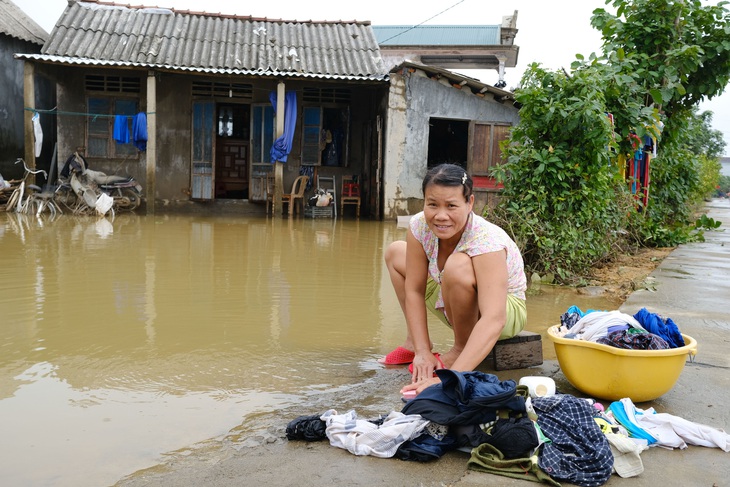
<point x="413" y="100"/>
<point x="12" y="142"/>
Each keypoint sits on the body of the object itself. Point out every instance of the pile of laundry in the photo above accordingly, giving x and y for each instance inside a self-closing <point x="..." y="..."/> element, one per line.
<point x="548" y="439"/>
<point x="642" y="331"/>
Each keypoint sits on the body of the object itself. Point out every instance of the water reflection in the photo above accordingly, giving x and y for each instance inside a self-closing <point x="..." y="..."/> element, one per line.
<point x="124" y="339"/>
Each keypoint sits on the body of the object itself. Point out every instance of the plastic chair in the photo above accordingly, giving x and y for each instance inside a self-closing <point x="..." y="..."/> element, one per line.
<point x="331" y="189"/>
<point x="297" y="193"/>
<point x="350" y="194"/>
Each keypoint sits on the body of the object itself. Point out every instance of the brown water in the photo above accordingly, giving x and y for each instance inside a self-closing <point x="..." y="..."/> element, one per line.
<point x="123" y="340"/>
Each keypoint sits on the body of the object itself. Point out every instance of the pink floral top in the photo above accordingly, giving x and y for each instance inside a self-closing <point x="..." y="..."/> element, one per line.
<point x="479" y="237"/>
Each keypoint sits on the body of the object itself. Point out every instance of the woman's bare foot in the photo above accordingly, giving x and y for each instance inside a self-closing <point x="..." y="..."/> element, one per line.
<point x="449" y="358"/>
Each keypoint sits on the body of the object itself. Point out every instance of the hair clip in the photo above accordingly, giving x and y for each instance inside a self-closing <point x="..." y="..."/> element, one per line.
<point x="463" y="178"/>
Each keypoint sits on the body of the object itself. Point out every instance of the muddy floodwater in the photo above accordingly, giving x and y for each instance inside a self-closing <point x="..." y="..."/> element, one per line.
<point x="123" y="340"/>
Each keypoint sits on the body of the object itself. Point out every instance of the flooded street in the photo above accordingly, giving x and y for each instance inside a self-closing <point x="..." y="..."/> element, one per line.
<point x="124" y="340"/>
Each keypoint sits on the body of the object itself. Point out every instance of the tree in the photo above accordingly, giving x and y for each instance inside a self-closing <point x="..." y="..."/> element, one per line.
<point x="683" y="48"/>
<point x="679" y="52"/>
<point x="564" y="200"/>
<point x="559" y="200"/>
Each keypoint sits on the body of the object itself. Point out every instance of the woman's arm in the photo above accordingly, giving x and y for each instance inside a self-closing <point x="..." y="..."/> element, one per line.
<point x="415" y="307"/>
<point x="415" y="290"/>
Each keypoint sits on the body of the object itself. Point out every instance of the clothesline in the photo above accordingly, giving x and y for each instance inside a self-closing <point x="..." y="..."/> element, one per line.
<point x="53" y="111"/>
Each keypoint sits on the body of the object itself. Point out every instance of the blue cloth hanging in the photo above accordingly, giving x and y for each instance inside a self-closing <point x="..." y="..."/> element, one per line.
<point x="139" y="131"/>
<point x="282" y="146"/>
<point x="121" y="129"/>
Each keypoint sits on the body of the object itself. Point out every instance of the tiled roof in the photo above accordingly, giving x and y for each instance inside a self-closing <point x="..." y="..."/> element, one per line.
<point x="104" y="33"/>
<point x="15" y="23"/>
<point x="437" y="35"/>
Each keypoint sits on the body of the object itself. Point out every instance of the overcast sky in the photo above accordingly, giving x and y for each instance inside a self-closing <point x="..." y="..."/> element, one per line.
<point x="549" y="32"/>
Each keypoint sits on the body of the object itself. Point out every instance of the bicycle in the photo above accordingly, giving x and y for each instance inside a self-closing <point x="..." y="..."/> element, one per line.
<point x="37" y="199"/>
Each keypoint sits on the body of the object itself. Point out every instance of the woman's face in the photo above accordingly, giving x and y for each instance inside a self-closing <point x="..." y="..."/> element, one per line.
<point x="446" y="210"/>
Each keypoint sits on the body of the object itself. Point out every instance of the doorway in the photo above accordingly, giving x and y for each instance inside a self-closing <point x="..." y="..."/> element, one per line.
<point x="232" y="151"/>
<point x="448" y="141"/>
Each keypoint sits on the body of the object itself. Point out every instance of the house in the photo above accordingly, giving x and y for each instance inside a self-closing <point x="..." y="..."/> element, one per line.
<point x="452" y="46"/>
<point x="19" y="33"/>
<point x="205" y="84"/>
<point x="437" y="115"/>
<point x="216" y="90"/>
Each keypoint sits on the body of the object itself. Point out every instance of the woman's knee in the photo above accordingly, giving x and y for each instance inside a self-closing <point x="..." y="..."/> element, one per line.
<point x="395" y="252"/>
<point x="458" y="270"/>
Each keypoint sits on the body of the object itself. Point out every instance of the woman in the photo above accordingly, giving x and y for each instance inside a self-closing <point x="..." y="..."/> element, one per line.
<point x="463" y="268"/>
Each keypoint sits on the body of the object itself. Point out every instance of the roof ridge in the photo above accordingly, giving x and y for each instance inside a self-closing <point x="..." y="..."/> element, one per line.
<point x="203" y="13"/>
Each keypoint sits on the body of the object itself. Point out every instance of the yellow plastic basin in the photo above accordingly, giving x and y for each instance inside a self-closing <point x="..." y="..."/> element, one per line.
<point x="606" y="372"/>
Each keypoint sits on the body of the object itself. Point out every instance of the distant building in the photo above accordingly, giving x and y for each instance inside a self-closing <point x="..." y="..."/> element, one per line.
<point x="725" y="168"/>
<point x="451" y="46"/>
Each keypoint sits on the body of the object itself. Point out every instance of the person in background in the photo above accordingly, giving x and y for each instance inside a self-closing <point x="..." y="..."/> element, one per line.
<point x="461" y="267"/>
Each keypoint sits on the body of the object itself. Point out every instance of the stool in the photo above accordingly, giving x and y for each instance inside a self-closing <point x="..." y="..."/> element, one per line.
<point x="350" y="194"/>
<point x="521" y="351"/>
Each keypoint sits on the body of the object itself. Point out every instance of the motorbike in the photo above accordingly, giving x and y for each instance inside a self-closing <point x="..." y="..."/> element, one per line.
<point x="97" y="190"/>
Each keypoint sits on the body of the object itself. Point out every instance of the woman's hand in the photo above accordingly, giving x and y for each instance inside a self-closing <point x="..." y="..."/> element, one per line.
<point x="424" y="366"/>
<point x="420" y="385"/>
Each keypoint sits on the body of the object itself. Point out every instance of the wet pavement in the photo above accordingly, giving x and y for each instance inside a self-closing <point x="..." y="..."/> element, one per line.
<point x="691" y="287"/>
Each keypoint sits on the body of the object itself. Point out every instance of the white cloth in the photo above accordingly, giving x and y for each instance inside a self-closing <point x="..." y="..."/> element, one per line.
<point x="626" y="454"/>
<point x="361" y="437"/>
<point x="595" y="325"/>
<point x="38" y="133"/>
<point x="675" y="432"/>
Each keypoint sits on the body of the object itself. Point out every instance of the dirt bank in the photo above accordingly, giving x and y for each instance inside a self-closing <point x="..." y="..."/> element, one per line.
<point x="628" y="272"/>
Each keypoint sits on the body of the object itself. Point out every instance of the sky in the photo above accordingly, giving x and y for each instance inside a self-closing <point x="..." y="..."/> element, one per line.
<point x="549" y="32"/>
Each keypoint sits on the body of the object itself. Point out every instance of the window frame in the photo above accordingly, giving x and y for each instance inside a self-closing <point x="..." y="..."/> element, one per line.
<point x="113" y="90"/>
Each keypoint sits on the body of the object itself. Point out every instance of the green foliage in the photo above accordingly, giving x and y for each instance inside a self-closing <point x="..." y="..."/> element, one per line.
<point x="708" y="145"/>
<point x="564" y="200"/>
<point x="707" y="223"/>
<point x="709" y="175"/>
<point x="559" y="180"/>
<point x="724" y="185"/>
<point x="683" y="47"/>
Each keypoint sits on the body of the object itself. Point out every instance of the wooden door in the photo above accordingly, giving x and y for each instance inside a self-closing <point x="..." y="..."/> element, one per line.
<point x="231" y="168"/>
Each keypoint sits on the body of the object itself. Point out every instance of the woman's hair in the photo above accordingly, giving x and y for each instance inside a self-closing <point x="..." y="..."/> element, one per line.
<point x="448" y="175"/>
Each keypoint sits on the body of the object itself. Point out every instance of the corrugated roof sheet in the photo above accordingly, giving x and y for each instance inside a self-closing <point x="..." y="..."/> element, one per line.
<point x="473" y="83"/>
<point x="437" y="35"/>
<point x="111" y="34"/>
<point x="15" y="23"/>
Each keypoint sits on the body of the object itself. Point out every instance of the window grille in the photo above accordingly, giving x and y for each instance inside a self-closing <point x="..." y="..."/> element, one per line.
<point x="326" y="95"/>
<point x="113" y="84"/>
<point x="215" y="89"/>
